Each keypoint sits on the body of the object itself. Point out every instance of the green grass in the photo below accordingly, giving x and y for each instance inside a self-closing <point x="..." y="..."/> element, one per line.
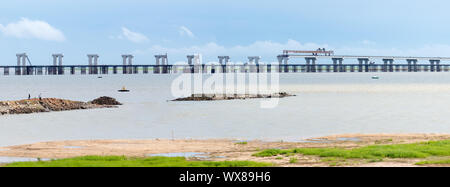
<point x="122" y="161"/>
<point x="293" y="160"/>
<point x="242" y="143"/>
<point x="434" y="162"/>
<point x="416" y="150"/>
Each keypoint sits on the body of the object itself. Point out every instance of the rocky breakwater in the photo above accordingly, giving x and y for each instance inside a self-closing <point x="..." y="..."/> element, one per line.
<point x="214" y="97"/>
<point x="28" y="106"/>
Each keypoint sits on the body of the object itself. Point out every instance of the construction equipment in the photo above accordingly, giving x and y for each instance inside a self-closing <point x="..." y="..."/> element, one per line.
<point x="318" y="52"/>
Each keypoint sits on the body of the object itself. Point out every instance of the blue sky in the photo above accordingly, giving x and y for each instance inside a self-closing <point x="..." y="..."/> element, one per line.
<point x="221" y="27"/>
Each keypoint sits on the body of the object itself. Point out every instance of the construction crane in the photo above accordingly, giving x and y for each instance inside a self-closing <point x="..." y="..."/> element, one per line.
<point x="320" y="51"/>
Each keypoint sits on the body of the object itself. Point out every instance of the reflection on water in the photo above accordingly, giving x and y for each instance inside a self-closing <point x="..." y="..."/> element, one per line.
<point x="326" y="104"/>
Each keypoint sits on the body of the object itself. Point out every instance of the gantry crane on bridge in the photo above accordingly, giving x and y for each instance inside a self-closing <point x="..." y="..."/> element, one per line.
<point x="318" y="52"/>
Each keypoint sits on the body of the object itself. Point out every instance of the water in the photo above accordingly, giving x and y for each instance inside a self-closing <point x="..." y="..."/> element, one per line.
<point x="4" y="160"/>
<point x="326" y="104"/>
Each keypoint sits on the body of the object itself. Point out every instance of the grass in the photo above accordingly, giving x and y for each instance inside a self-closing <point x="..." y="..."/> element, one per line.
<point x="122" y="161"/>
<point x="293" y="160"/>
<point x="415" y="150"/>
<point x="437" y="162"/>
<point x="242" y="143"/>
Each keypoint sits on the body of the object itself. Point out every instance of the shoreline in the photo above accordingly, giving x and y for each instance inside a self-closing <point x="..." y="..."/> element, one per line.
<point x="220" y="149"/>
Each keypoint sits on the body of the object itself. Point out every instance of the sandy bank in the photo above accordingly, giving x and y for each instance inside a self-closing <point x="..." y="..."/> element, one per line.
<point x="218" y="150"/>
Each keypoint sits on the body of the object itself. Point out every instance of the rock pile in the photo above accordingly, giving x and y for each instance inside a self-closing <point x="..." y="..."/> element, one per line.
<point x="106" y="101"/>
<point x="52" y="104"/>
<point x="214" y="97"/>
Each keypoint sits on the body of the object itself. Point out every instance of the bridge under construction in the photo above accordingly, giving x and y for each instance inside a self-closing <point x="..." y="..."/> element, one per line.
<point x="253" y="65"/>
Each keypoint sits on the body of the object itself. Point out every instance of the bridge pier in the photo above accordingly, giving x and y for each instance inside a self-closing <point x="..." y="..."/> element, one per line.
<point x="145" y="69"/>
<point x="83" y="70"/>
<point x="21" y="64"/>
<point x="6" y="71"/>
<point x="114" y="69"/>
<point x="336" y="67"/>
<point x="412" y="65"/>
<point x="310" y="64"/>
<point x="57" y="63"/>
<point x="283" y="62"/>
<point x="434" y="65"/>
<point x="388" y="65"/>
<point x="194" y="64"/>
<point x="364" y="61"/>
<point x="223" y="61"/>
<point x="253" y="62"/>
<point x="93" y="66"/>
<point x="164" y="62"/>
<point x="127" y="66"/>
<point x="327" y="68"/>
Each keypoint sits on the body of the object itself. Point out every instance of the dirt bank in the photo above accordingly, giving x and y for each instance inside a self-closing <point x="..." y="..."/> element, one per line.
<point x="28" y="106"/>
<point x="219" y="150"/>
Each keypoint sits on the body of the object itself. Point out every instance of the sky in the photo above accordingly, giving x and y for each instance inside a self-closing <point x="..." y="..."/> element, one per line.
<point x="238" y="28"/>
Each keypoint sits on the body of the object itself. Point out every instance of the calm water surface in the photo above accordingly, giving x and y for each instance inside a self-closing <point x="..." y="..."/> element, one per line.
<point x="326" y="104"/>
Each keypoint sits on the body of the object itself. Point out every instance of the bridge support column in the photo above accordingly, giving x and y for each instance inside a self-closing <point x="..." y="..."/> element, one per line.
<point x="364" y="68"/>
<point x="280" y="62"/>
<point x="434" y="64"/>
<point x="93" y="66"/>
<point x="336" y="67"/>
<point x="127" y="67"/>
<point x="190" y="67"/>
<point x="164" y="63"/>
<point x="223" y="61"/>
<point x="285" y="64"/>
<point x="57" y="64"/>
<point x="310" y="64"/>
<point x="388" y="65"/>
<point x="253" y="62"/>
<point x="412" y="65"/>
<point x="21" y="68"/>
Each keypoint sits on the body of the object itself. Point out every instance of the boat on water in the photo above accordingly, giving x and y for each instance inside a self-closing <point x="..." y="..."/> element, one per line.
<point x="123" y="90"/>
<point x="375" y="77"/>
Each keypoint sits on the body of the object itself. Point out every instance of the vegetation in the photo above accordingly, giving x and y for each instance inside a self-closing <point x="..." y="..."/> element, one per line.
<point x="242" y="143"/>
<point x="122" y="161"/>
<point x="293" y="160"/>
<point x="415" y="150"/>
<point x="434" y="162"/>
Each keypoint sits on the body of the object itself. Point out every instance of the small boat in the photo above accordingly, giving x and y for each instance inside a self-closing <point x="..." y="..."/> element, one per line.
<point x="123" y="90"/>
<point x="99" y="77"/>
<point x="375" y="77"/>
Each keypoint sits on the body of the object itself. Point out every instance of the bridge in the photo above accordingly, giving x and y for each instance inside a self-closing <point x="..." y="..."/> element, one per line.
<point x="253" y="65"/>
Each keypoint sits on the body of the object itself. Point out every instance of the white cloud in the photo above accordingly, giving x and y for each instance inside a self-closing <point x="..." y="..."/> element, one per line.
<point x="133" y="36"/>
<point x="26" y="28"/>
<point x="184" y="31"/>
